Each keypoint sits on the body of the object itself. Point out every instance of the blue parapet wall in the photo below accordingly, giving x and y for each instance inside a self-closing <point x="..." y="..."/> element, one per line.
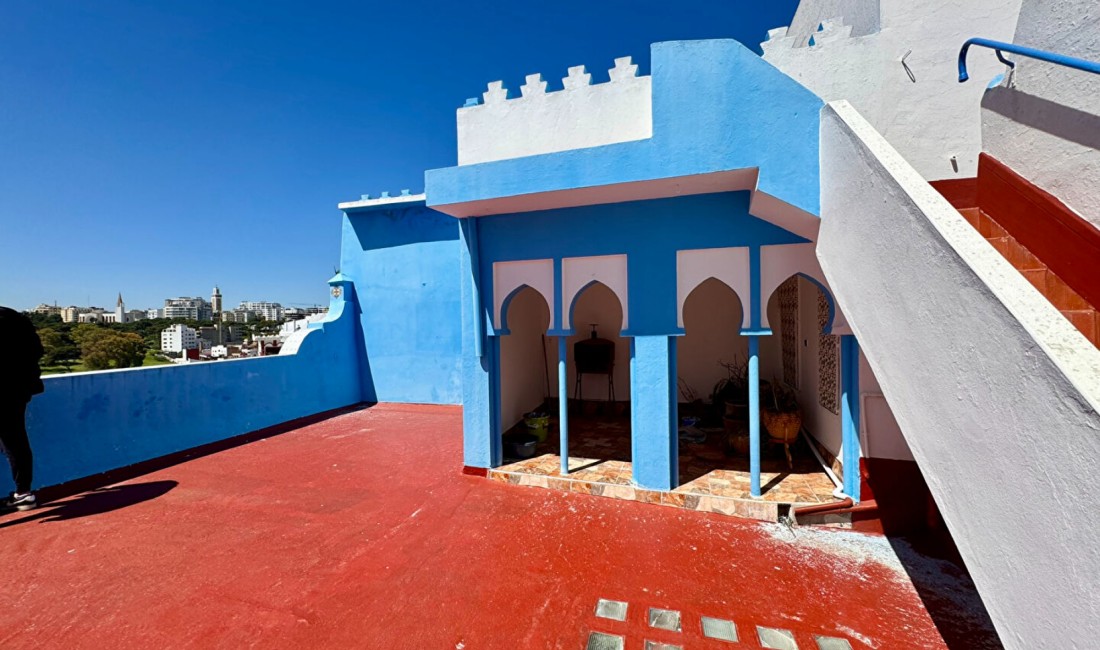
<point x="92" y="422"/>
<point x="405" y="261"/>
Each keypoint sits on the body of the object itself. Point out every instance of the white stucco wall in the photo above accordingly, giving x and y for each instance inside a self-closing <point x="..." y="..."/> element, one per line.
<point x="928" y="121"/>
<point x="522" y="369"/>
<point x="579" y="115"/>
<point x="996" y="393"/>
<point x="879" y="433"/>
<point x="1044" y="121"/>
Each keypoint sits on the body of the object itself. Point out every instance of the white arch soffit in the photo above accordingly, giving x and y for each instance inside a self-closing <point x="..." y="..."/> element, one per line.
<point x="578" y="272"/>
<point x="509" y="276"/>
<point x="728" y="265"/>
<point x="783" y="214"/>
<point x="777" y="263"/>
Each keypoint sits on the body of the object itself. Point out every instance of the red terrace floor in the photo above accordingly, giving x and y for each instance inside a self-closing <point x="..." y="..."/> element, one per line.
<point x="361" y="532"/>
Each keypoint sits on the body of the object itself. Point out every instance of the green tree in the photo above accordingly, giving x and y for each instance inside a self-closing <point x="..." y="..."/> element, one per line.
<point x="109" y="349"/>
<point x="60" y="350"/>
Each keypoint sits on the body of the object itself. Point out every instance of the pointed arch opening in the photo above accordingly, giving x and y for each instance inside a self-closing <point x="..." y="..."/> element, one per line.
<point x="528" y="360"/>
<point x="803" y="359"/>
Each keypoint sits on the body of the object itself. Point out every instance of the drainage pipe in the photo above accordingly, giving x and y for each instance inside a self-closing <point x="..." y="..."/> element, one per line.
<point x="999" y="47"/>
<point x="845" y="500"/>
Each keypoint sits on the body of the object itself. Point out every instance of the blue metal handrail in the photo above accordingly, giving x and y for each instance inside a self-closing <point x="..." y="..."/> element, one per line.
<point x="1049" y="57"/>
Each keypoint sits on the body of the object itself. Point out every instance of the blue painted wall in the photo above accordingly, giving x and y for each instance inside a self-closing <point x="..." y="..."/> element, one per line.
<point x="406" y="262"/>
<point x="87" y="423"/>
<point x="648" y="232"/>
<point x="717" y="106"/>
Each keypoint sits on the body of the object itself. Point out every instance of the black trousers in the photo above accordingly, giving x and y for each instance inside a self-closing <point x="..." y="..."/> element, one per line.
<point x="13" y="437"/>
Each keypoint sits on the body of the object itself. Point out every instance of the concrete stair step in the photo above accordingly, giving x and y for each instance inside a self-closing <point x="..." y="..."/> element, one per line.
<point x="1075" y="308"/>
<point x="1087" y="321"/>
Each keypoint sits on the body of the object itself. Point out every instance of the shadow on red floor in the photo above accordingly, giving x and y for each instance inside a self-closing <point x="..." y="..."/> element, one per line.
<point x="95" y="502"/>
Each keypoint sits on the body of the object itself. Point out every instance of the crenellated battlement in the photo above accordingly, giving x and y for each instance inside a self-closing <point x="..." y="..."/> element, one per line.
<point x="499" y="126"/>
<point x="830" y="30"/>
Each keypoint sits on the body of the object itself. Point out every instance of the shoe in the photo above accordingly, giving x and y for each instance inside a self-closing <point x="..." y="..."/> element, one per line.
<point x="21" y="502"/>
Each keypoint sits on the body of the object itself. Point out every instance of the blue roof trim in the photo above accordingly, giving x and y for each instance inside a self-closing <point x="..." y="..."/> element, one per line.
<point x="717" y="106"/>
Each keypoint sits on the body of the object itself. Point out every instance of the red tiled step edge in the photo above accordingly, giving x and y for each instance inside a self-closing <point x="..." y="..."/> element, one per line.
<point x="1022" y="210"/>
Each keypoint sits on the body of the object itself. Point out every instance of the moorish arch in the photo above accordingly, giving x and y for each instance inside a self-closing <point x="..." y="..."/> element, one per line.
<point x="579" y="273"/>
<point x="509" y="278"/>
<point x="730" y="266"/>
<point x="779" y="263"/>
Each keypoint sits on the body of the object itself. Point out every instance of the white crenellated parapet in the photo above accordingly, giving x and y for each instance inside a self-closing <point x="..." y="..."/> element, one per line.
<point x="827" y="31"/>
<point x="830" y="30"/>
<point x="582" y="114"/>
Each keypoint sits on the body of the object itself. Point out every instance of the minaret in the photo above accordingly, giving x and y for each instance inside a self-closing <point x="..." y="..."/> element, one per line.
<point x="216" y="307"/>
<point x="120" y="310"/>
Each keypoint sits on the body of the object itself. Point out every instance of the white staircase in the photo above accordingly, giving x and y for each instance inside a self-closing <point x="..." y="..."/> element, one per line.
<point x="997" y="394"/>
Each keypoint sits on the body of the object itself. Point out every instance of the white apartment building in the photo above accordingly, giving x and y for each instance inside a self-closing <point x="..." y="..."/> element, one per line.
<point x="269" y="310"/>
<point x="188" y="308"/>
<point x="178" y="338"/>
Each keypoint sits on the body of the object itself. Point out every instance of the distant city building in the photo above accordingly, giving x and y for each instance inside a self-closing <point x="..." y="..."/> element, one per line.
<point x="154" y="313"/>
<point x="92" y="315"/>
<point x="71" y="314"/>
<point x="120" y="315"/>
<point x="49" y="310"/>
<point x="178" y="338"/>
<point x="188" y="308"/>
<point x="241" y="316"/>
<point x="216" y="311"/>
<point x="269" y="310"/>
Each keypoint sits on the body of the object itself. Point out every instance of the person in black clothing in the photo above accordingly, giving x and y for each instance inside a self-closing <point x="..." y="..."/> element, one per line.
<point x="20" y="379"/>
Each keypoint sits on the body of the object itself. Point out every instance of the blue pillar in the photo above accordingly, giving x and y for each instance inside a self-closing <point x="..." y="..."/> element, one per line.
<point x="754" y="414"/>
<point x="653" y="412"/>
<point x="849" y="413"/>
<point x="480" y="405"/>
<point x="563" y="405"/>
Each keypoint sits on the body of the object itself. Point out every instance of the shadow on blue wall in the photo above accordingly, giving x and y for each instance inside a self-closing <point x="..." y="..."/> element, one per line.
<point x="405" y="262"/>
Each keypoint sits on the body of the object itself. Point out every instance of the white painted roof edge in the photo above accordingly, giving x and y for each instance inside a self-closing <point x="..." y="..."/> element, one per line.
<point x="1067" y="348"/>
<point x="389" y="200"/>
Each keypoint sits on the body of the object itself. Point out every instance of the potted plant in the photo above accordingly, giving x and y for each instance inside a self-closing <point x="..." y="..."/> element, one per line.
<point x="781" y="415"/>
<point x="731" y="394"/>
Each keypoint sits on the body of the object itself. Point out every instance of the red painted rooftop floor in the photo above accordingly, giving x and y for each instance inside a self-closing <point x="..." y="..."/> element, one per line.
<point x="361" y="532"/>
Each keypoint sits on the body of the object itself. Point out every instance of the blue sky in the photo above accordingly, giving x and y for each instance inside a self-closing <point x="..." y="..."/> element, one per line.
<point x="161" y="148"/>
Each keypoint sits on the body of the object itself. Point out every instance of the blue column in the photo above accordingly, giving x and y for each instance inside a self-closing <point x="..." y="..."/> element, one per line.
<point x="849" y="413"/>
<point x="754" y="414"/>
<point x="563" y="405"/>
<point x="480" y="410"/>
<point x="653" y="412"/>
